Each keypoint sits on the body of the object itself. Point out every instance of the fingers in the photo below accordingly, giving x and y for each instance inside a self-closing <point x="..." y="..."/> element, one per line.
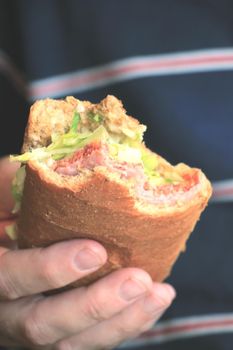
<point x="7" y="173"/>
<point x="31" y="271"/>
<point x="62" y="315"/>
<point x="113" y="309"/>
<point x="129" y="323"/>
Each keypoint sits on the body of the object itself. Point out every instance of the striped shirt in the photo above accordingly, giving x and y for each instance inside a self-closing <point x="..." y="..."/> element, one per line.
<point x="171" y="62"/>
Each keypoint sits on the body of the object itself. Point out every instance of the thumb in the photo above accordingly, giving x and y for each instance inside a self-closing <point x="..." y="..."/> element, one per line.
<point x="7" y="173"/>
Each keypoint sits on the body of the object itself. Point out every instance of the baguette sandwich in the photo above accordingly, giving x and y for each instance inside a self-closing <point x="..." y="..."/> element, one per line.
<point x="86" y="173"/>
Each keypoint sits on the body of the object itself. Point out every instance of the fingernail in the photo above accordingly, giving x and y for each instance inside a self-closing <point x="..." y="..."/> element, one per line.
<point x="131" y="289"/>
<point x="87" y="259"/>
<point x="161" y="299"/>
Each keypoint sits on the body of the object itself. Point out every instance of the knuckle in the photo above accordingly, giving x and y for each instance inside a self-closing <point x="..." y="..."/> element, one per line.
<point x="8" y="290"/>
<point x="94" y="310"/>
<point x="50" y="274"/>
<point x="33" y="330"/>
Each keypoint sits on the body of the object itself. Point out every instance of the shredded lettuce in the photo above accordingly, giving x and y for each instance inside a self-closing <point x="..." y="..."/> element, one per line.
<point x="68" y="143"/>
<point x="97" y="117"/>
<point x="35" y="154"/>
<point x="75" y="122"/>
<point x="63" y="145"/>
<point x="129" y="149"/>
<point x="11" y="231"/>
<point x="150" y="162"/>
<point x="125" y="153"/>
<point x="17" y="188"/>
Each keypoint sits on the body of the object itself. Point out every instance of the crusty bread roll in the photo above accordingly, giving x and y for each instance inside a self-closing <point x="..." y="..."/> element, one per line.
<point x="142" y="220"/>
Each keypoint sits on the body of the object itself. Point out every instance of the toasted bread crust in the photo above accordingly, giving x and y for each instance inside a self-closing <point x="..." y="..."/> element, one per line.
<point x="48" y="116"/>
<point x="103" y="210"/>
<point x="97" y="206"/>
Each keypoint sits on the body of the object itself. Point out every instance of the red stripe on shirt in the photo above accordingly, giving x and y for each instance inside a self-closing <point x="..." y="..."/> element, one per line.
<point x="207" y="325"/>
<point x="123" y="68"/>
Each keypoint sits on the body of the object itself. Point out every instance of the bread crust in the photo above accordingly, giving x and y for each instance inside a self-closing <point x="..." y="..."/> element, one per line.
<point x="98" y="206"/>
<point x="103" y="210"/>
<point x="49" y="115"/>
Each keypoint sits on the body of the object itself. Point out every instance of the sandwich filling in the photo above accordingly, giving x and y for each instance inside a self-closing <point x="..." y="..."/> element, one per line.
<point x="155" y="188"/>
<point x="87" y="146"/>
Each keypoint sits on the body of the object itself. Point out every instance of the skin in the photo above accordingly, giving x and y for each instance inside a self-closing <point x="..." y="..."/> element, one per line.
<point x="101" y="316"/>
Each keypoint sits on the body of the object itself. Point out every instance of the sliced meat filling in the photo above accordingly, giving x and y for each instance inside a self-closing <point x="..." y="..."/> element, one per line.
<point x="94" y="155"/>
<point x="97" y="154"/>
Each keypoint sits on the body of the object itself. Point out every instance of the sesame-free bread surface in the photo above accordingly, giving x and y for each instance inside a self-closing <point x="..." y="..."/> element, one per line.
<point x="97" y="205"/>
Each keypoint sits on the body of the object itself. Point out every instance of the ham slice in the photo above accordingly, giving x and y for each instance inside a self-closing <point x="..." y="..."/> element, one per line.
<point x="97" y="154"/>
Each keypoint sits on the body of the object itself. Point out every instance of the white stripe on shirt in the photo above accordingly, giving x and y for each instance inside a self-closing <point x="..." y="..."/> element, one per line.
<point x="199" y="61"/>
<point x="180" y="328"/>
<point x="222" y="191"/>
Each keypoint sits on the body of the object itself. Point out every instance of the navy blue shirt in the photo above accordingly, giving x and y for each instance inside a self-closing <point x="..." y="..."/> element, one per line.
<point x="171" y="63"/>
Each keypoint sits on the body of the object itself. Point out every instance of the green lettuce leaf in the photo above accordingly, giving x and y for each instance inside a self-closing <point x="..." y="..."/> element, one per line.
<point x="17" y="188"/>
<point x="125" y="153"/>
<point x="63" y="145"/>
<point x="35" y="154"/>
<point x="127" y="149"/>
<point x="11" y="231"/>
<point x="150" y="162"/>
<point x="97" y="117"/>
<point x="75" y="122"/>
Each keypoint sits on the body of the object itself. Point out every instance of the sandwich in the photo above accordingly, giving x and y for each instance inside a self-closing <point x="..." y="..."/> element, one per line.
<point x="86" y="173"/>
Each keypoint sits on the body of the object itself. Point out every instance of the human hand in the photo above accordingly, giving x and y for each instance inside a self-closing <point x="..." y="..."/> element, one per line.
<point x="115" y="308"/>
<point x="7" y="172"/>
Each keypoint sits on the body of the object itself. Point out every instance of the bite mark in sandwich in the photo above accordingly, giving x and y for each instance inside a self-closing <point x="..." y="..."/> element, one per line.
<point x="89" y="174"/>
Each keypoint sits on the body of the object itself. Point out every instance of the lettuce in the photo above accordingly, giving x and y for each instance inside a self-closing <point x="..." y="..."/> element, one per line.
<point x="17" y="188"/>
<point x="63" y="145"/>
<point x="69" y="143"/>
<point x="124" y="153"/>
<point x="129" y="149"/>
<point x="98" y="118"/>
<point x="150" y="162"/>
<point x="35" y="154"/>
<point x="75" y="122"/>
<point x="11" y="231"/>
